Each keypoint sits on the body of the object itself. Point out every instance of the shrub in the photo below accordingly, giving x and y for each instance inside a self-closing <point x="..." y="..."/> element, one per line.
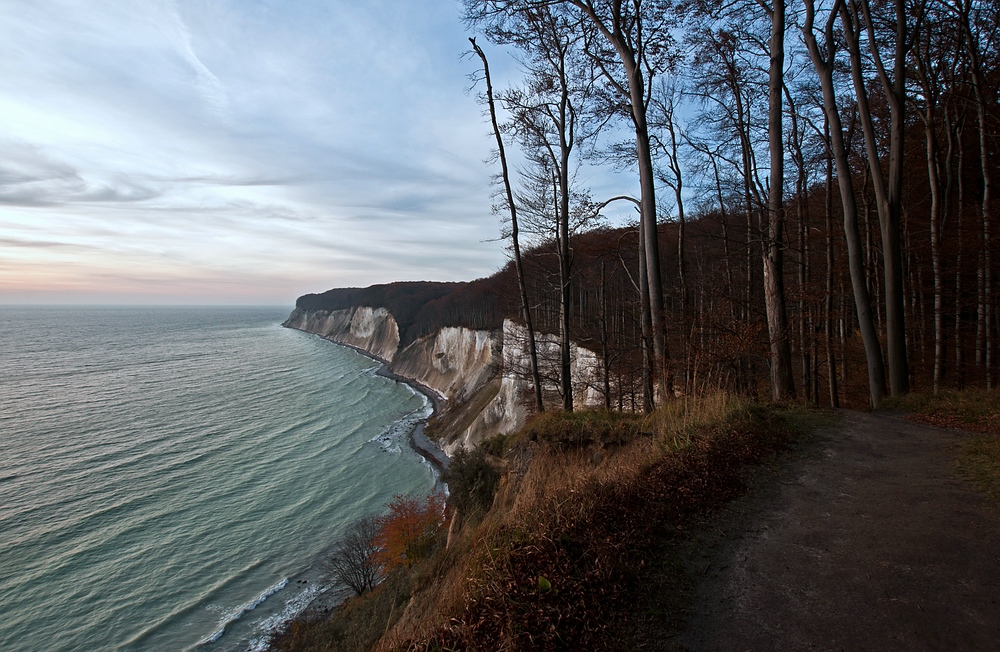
<point x="405" y="533"/>
<point x="472" y="480"/>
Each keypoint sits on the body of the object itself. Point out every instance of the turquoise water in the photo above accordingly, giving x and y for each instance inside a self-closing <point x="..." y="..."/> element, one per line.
<point x="169" y="477"/>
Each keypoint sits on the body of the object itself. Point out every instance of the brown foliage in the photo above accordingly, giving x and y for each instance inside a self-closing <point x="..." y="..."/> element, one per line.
<point x="562" y="557"/>
<point x="407" y="530"/>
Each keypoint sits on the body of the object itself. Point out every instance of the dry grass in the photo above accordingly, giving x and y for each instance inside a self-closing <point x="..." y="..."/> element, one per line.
<point x="571" y="554"/>
<point x="559" y="559"/>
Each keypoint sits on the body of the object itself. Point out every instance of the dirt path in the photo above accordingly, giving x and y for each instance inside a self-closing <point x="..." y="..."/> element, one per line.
<point x="866" y="541"/>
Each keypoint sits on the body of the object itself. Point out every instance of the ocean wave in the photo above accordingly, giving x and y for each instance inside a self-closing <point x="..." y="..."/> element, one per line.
<point x="392" y="438"/>
<point x="270" y="625"/>
<point x="136" y="641"/>
<point x="232" y="615"/>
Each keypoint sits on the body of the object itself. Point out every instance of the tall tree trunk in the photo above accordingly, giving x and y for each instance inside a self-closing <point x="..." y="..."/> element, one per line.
<point x="889" y="196"/>
<point x="782" y="380"/>
<point x="929" y="85"/>
<point x="673" y="160"/>
<point x="565" y="145"/>
<point x="647" y="329"/>
<point x="959" y="348"/>
<point x="859" y="282"/>
<point x="518" y="266"/>
<point x="831" y="359"/>
<point x="802" y="210"/>
<point x="605" y="340"/>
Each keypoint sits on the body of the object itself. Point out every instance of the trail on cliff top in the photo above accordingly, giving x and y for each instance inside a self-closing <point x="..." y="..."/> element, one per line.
<point x="867" y="541"/>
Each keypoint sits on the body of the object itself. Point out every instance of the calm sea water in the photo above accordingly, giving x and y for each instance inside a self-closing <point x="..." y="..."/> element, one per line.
<point x="169" y="477"/>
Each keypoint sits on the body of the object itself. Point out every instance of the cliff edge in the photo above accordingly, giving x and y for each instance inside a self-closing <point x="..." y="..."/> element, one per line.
<point x="478" y="374"/>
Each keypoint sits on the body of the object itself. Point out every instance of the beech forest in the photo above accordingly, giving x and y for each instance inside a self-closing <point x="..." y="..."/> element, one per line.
<point x="814" y="216"/>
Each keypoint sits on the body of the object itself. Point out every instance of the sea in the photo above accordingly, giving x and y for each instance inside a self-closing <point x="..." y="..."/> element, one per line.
<point x="172" y="478"/>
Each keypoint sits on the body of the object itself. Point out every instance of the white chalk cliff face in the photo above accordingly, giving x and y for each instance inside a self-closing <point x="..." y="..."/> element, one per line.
<point x="585" y="365"/>
<point x="371" y="329"/>
<point x="454" y="362"/>
<point x="482" y="376"/>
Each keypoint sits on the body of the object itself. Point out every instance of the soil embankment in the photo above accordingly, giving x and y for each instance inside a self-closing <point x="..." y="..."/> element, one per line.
<point x="865" y="540"/>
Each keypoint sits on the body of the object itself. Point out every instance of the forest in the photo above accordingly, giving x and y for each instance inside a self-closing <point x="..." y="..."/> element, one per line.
<point x="814" y="227"/>
<point x="815" y="215"/>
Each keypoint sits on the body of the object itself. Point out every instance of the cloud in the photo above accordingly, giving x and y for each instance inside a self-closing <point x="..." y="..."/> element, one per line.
<point x="316" y="142"/>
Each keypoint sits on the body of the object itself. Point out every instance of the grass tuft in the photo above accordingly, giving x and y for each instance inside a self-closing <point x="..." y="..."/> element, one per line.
<point x="980" y="464"/>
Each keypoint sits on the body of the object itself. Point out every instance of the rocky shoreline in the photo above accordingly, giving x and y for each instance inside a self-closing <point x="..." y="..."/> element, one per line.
<point x="418" y="441"/>
<point x="329" y="597"/>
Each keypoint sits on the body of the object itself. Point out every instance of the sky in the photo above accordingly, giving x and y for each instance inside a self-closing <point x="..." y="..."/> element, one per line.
<point x="238" y="151"/>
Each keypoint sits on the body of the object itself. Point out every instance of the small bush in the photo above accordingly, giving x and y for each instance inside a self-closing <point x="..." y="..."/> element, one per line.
<point x="497" y="445"/>
<point x="472" y="480"/>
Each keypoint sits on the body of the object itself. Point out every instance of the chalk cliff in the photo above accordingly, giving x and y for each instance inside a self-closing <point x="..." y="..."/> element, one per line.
<point x="371" y="329"/>
<point x="480" y="375"/>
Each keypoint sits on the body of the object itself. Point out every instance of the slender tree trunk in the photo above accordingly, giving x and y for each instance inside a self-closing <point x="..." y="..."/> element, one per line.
<point x="675" y="166"/>
<point x="889" y="197"/>
<point x="565" y="145"/>
<point x="930" y="136"/>
<point x="647" y="329"/>
<point x="980" y="315"/>
<point x="605" y="341"/>
<point x="519" y="267"/>
<point x="859" y="282"/>
<point x="959" y="348"/>
<point x="782" y="380"/>
<point x="986" y="310"/>
<point x="831" y="358"/>
<point x="802" y="211"/>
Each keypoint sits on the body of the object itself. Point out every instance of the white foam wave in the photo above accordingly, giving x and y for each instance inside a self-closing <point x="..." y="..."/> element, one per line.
<point x="232" y="615"/>
<point x="292" y="608"/>
<point x="392" y="438"/>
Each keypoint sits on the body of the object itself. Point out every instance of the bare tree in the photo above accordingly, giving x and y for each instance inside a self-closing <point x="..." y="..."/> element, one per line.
<point x="353" y="560"/>
<point x="977" y="35"/>
<point x="525" y="306"/>
<point x="637" y="39"/>
<point x="929" y="61"/>
<point x="782" y="382"/>
<point x="546" y="119"/>
<point x="824" y="64"/>
<point x="856" y="16"/>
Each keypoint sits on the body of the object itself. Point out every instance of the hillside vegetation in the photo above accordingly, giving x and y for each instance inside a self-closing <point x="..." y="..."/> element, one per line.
<point x="566" y="535"/>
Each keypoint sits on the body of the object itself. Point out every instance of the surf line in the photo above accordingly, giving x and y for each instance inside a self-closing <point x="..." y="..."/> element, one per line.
<point x="418" y="440"/>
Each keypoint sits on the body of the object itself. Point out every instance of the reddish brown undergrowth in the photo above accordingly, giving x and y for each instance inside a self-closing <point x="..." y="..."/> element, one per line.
<point x="973" y="410"/>
<point x="558" y="561"/>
